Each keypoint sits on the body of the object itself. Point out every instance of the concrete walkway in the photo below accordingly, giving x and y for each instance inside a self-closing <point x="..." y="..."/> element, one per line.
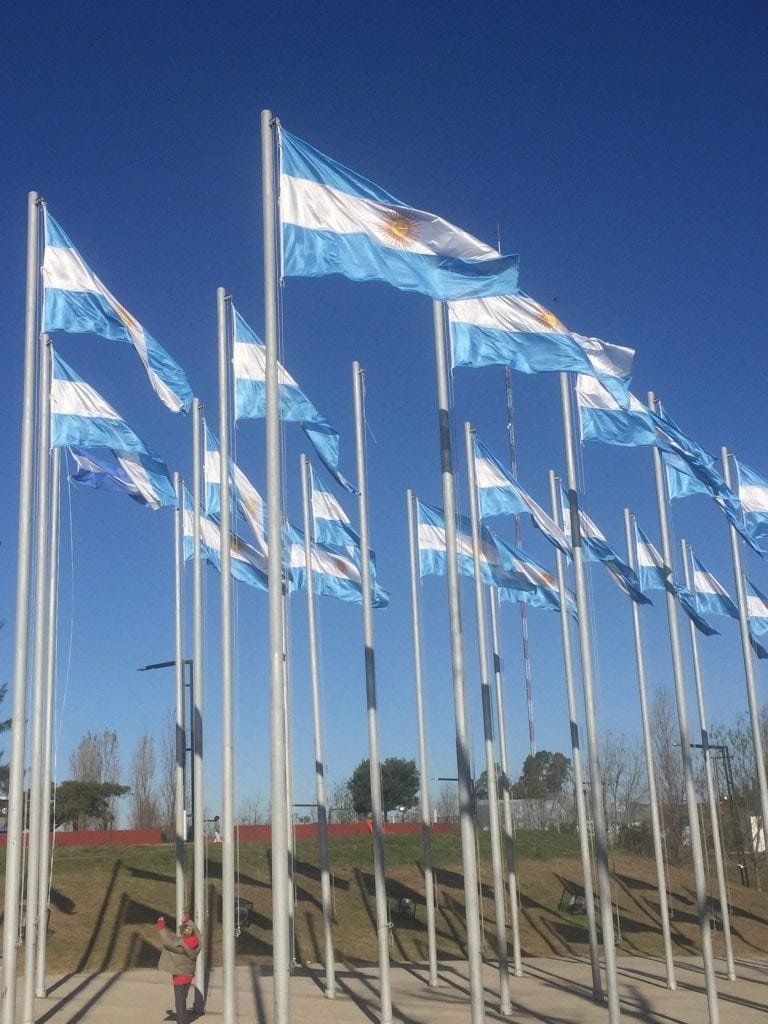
<point x="552" y="991"/>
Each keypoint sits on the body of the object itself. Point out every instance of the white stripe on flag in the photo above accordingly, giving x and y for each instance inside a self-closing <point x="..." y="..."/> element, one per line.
<point x="64" y="269"/>
<point x="76" y="398"/>
<point x="489" y="475"/>
<point x="250" y="363"/>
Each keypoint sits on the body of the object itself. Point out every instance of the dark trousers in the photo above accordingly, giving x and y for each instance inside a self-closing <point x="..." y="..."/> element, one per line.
<point x="180" y="994"/>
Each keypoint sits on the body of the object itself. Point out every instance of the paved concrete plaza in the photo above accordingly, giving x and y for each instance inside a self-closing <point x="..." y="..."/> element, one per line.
<point x="552" y="991"/>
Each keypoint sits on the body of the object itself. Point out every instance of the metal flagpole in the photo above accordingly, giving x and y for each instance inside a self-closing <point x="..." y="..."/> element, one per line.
<point x="227" y="727"/>
<point x="578" y="775"/>
<point x="426" y="828"/>
<point x="23" y="573"/>
<point x="506" y="803"/>
<point x="463" y="768"/>
<point x="711" y="795"/>
<point x="181" y="731"/>
<point x="289" y="836"/>
<point x="377" y="808"/>
<point x="585" y="644"/>
<point x="505" y="1007"/>
<point x="50" y="675"/>
<point x="37" y="713"/>
<point x="314" y="675"/>
<point x="661" y="882"/>
<point x="746" y="650"/>
<point x="281" y="957"/>
<point x="196" y="726"/>
<point x="690" y="788"/>
<point x="519" y="542"/>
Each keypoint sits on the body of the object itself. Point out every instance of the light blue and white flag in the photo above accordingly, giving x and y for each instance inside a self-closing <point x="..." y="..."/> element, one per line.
<point x="528" y="582"/>
<point x="246" y="499"/>
<point x="757" y="615"/>
<point x="433" y="547"/>
<point x="329" y="520"/>
<point x="246" y="564"/>
<point x="711" y="596"/>
<point x="753" y="495"/>
<point x="595" y="548"/>
<point x="516" y="331"/>
<point x="334" y="221"/>
<point x="75" y="300"/>
<point x="333" y="574"/>
<point x="603" y="419"/>
<point x="82" y="418"/>
<point x="655" y="576"/>
<point x="142" y="478"/>
<point x="250" y="370"/>
<point x="500" y="494"/>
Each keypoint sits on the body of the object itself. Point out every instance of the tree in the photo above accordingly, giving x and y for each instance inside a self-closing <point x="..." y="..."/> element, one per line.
<point x="399" y="785"/>
<point x="624" y="778"/>
<point x="96" y="759"/>
<point x="5" y="725"/>
<point x="447" y="806"/>
<point x="79" y="803"/>
<point x="145" y="812"/>
<point x="544" y="775"/>
<point x="668" y="765"/>
<point x="167" y="799"/>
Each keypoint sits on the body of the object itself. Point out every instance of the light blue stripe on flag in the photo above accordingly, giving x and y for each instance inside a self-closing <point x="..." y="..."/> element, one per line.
<point x="334" y="221"/>
<point x="141" y="478"/>
<point x="711" y="596"/>
<point x="603" y="419"/>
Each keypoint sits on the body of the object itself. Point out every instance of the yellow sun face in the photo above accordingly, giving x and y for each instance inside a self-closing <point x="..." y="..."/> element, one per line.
<point x="550" y="321"/>
<point x="400" y="227"/>
<point x="125" y="316"/>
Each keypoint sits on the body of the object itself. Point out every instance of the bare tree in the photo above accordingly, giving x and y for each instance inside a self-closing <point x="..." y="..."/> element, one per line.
<point x="96" y="759"/>
<point x="670" y="779"/>
<point x="251" y="812"/>
<point x="447" y="803"/>
<point x="339" y="801"/>
<point x="167" y="784"/>
<point x="624" y="778"/>
<point x="145" y="812"/>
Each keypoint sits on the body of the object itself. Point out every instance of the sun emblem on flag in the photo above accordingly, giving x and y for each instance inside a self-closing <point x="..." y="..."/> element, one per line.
<point x="130" y="322"/>
<point x="400" y="227"/>
<point x="550" y="321"/>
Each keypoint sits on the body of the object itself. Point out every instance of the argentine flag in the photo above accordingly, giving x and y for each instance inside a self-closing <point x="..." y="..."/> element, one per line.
<point x="334" y="221"/>
<point x="75" y="300"/>
<point x="538" y="587"/>
<point x="247" y="500"/>
<point x="81" y="417"/>
<point x="516" y="331"/>
<point x="753" y="495"/>
<point x="595" y="548"/>
<point x="333" y="574"/>
<point x="250" y="371"/>
<point x="246" y="563"/>
<point x="601" y="418"/>
<point x="329" y="520"/>
<point x="433" y="549"/>
<point x="142" y="478"/>
<point x="654" y="575"/>
<point x="500" y="494"/>
<point x="711" y="596"/>
<point x="757" y="615"/>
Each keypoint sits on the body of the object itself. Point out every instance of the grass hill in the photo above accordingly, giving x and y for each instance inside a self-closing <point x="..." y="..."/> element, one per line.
<point x="105" y="902"/>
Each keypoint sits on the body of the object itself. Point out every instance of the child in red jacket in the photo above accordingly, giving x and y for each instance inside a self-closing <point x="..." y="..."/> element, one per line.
<point x="178" y="958"/>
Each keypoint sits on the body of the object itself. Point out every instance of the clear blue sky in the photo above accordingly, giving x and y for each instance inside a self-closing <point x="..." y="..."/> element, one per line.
<point x="620" y="149"/>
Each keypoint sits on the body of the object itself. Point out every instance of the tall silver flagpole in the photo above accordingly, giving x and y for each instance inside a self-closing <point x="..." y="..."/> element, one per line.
<point x="658" y="852"/>
<point x="42" y="534"/>
<point x="578" y="775"/>
<point x="505" y="1006"/>
<point x="227" y="717"/>
<point x="506" y="803"/>
<point x="463" y="767"/>
<point x="377" y="808"/>
<point x="717" y="845"/>
<point x="314" y="675"/>
<point x="23" y="573"/>
<point x="280" y="932"/>
<point x="685" y="748"/>
<point x="595" y="780"/>
<point x="50" y="689"/>
<point x="181" y="731"/>
<point x="426" y="825"/>
<point x="746" y="651"/>
<point x="196" y="728"/>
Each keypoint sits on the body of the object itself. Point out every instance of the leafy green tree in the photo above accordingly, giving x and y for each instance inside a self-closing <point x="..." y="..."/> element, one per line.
<point x="399" y="785"/>
<point x="544" y="774"/>
<point x="79" y="802"/>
